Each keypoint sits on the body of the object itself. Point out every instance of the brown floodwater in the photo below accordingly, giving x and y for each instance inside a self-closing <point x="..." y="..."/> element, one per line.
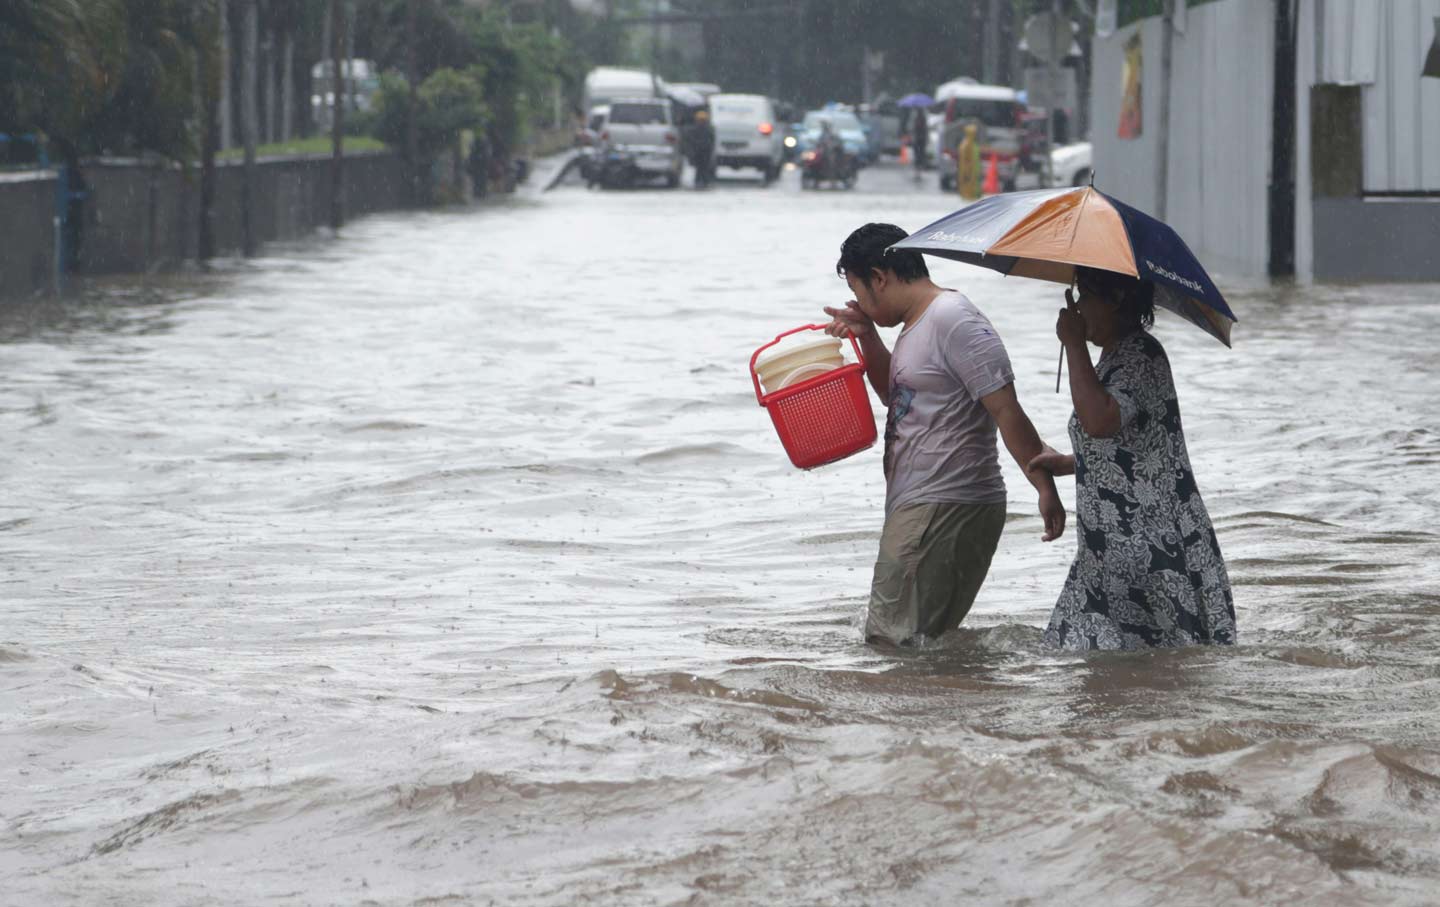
<point x="452" y="561"/>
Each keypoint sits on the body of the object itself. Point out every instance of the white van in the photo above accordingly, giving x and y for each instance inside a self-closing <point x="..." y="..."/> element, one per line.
<point x="746" y="134"/>
<point x="643" y="128"/>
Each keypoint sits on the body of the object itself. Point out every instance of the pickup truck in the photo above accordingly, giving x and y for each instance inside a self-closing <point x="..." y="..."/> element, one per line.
<point x="642" y="128"/>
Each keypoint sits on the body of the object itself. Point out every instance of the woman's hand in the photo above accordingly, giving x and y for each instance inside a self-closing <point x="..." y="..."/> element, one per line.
<point x="1070" y="327"/>
<point x="1053" y="514"/>
<point x="1052" y="461"/>
<point x="849" y="321"/>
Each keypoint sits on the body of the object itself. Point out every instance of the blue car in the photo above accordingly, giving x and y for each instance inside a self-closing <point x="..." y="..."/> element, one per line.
<point x="845" y="124"/>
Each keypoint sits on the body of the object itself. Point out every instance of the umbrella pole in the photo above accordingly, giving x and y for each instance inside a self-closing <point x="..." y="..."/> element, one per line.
<point x="1070" y="302"/>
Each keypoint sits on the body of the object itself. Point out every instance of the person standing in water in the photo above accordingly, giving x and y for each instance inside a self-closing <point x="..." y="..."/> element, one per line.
<point x="949" y="385"/>
<point x="920" y="139"/>
<point x="1148" y="569"/>
<point x="699" y="139"/>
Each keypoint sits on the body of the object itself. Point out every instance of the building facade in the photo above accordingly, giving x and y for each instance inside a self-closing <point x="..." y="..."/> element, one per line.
<point x="1335" y="177"/>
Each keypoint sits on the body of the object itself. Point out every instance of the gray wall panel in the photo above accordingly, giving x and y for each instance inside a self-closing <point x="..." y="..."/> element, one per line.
<point x="1376" y="239"/>
<point x="27" y="233"/>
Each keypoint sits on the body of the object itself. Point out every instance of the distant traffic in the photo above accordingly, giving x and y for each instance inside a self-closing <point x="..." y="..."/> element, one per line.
<point x="637" y="129"/>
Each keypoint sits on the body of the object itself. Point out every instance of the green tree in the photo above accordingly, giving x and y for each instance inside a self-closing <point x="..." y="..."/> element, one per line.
<point x="152" y="105"/>
<point x="102" y="76"/>
<point x="450" y="101"/>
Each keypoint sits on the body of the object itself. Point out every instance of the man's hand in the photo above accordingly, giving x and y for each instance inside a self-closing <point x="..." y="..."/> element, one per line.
<point x="1052" y="461"/>
<point x="1053" y="513"/>
<point x="1070" y="326"/>
<point x="849" y="321"/>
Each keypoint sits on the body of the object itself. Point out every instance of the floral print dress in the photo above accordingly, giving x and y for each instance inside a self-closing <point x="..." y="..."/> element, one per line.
<point x="1148" y="570"/>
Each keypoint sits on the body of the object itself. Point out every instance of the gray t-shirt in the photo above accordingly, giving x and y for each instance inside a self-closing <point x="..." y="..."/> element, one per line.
<point x="939" y="439"/>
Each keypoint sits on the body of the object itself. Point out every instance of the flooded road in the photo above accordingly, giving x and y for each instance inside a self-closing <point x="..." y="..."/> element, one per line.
<point x="452" y="562"/>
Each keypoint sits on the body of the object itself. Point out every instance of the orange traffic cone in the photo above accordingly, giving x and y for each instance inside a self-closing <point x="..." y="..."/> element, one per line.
<point x="992" y="175"/>
<point x="905" y="149"/>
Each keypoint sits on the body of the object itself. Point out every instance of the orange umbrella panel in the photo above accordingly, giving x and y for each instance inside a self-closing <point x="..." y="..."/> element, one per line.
<point x="1079" y="227"/>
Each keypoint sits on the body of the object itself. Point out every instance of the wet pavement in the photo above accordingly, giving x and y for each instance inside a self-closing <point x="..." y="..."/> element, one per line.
<point x="452" y="560"/>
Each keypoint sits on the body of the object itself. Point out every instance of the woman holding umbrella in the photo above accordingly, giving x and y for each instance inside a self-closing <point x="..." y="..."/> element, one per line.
<point x="1148" y="570"/>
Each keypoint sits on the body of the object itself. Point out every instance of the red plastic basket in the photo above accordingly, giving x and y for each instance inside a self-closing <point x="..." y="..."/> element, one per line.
<point x="822" y="419"/>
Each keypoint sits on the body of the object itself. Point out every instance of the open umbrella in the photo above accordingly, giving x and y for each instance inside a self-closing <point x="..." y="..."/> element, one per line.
<point x="689" y="97"/>
<point x="918" y="99"/>
<point x="1046" y="233"/>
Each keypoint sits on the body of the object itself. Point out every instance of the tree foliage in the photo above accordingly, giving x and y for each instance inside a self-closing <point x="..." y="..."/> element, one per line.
<point x="118" y="76"/>
<point x="449" y="101"/>
<point x="102" y="76"/>
<point x="519" y="49"/>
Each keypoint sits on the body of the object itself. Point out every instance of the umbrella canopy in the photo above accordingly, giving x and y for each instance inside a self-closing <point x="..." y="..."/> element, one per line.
<point x="1047" y="233"/>
<point x="686" y="96"/>
<point x="918" y="99"/>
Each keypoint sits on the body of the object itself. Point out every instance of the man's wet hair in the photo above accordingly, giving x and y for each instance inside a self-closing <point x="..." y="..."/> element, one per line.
<point x="865" y="250"/>
<point x="1135" y="297"/>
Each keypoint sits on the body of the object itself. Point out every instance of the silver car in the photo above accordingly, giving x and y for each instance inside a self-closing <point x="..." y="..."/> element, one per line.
<point x="643" y="129"/>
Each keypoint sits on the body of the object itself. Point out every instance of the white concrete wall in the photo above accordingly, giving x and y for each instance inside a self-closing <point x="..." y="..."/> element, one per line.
<point x="1220" y="108"/>
<point x="1401" y="110"/>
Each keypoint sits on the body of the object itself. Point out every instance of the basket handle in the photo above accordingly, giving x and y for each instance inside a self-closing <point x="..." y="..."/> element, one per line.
<point x="755" y="378"/>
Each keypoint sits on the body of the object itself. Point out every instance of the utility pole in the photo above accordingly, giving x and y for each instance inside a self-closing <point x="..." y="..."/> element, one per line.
<point x="655" y="48"/>
<point x="250" y="123"/>
<point x="352" y="84"/>
<point x="1162" y="140"/>
<point x="991" y="71"/>
<point x="337" y="123"/>
<point x="865" y="75"/>
<point x="211" y="55"/>
<point x="287" y="83"/>
<point x="267" y="49"/>
<point x="1282" y="144"/>
<point x="227" y="127"/>
<point x="1060" y="40"/>
<point x="412" y="76"/>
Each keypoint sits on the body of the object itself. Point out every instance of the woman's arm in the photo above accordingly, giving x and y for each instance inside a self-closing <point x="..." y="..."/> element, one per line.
<point x="1097" y="411"/>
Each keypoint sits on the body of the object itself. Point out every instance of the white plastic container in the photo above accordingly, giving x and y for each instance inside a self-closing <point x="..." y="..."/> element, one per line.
<point x="798" y="362"/>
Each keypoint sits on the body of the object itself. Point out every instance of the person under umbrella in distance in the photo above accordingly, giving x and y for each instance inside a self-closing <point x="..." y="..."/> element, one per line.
<point x="920" y="139"/>
<point x="1148" y="569"/>
<point x="948" y="384"/>
<point x="699" y="147"/>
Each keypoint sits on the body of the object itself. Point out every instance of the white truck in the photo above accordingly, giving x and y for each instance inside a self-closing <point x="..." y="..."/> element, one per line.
<point x="607" y="84"/>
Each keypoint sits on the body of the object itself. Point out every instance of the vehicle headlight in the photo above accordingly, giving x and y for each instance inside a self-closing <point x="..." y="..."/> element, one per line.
<point x="790" y="141"/>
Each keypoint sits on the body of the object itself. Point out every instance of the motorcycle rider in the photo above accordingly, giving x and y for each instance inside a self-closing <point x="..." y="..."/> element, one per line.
<point x="831" y="151"/>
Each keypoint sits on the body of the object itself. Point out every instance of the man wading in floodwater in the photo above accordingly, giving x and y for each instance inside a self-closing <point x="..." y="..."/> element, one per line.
<point x="948" y="385"/>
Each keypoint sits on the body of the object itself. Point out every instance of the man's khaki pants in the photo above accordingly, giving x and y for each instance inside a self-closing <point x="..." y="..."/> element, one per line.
<point x="933" y="559"/>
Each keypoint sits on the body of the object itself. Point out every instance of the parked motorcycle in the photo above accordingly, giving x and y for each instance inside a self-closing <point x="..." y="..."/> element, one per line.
<point x="612" y="169"/>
